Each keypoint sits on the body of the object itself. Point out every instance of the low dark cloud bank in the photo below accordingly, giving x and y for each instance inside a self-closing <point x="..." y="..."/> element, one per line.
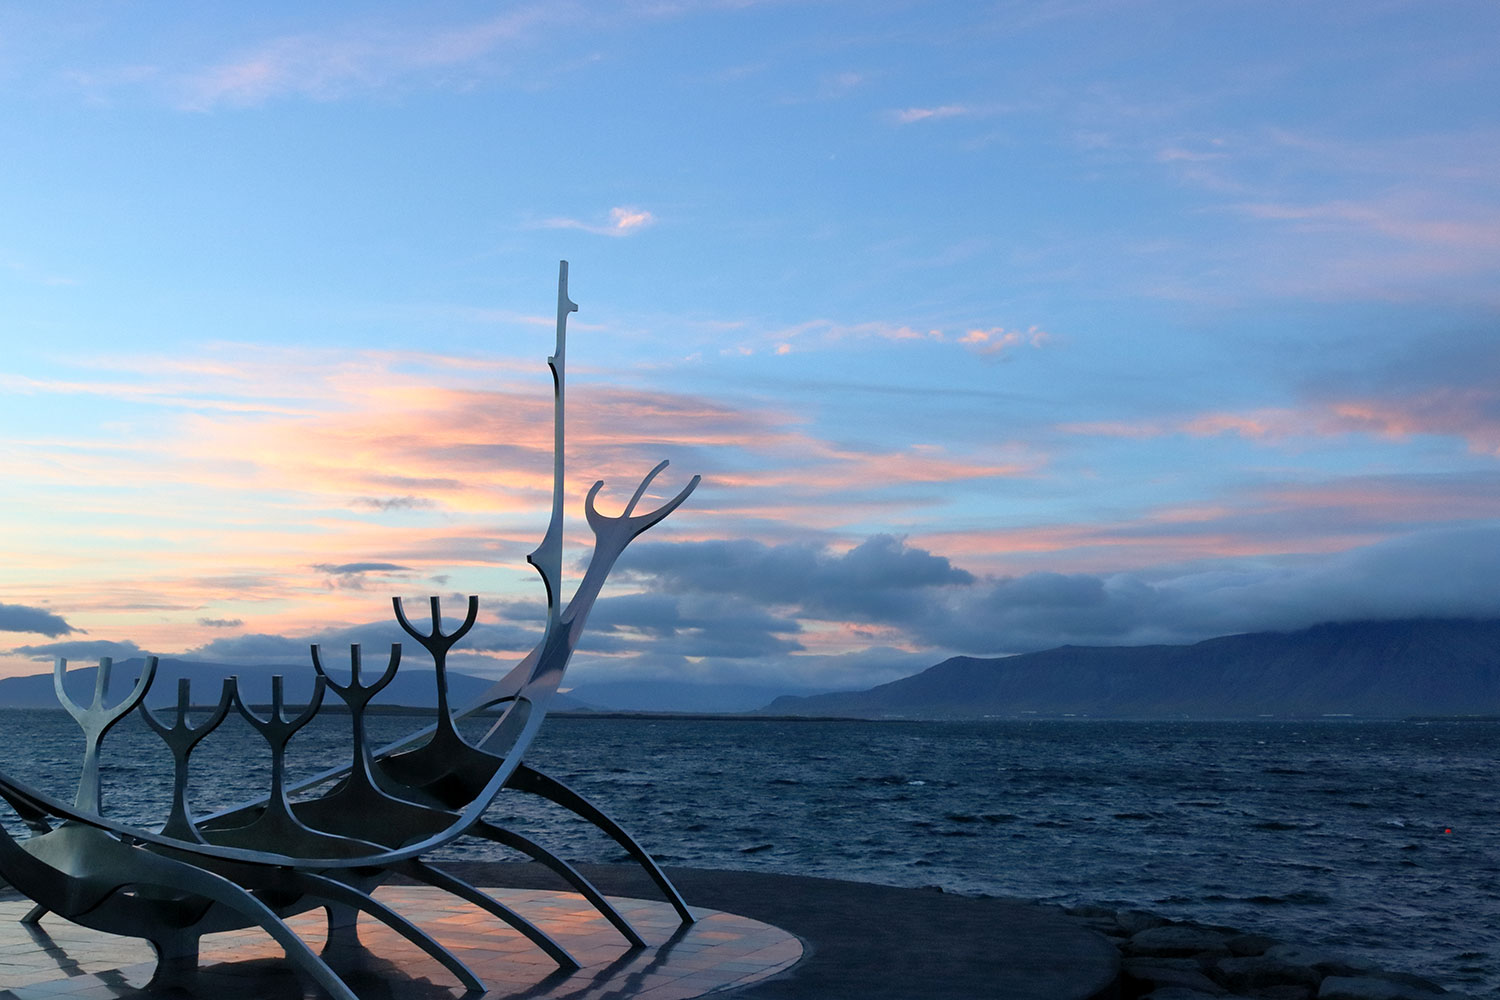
<point x="392" y="503"/>
<point x="21" y="618"/>
<point x="374" y="638"/>
<point x="934" y="605"/>
<point x="881" y="580"/>
<point x="737" y="611"/>
<point x="346" y="569"/>
<point x="351" y="575"/>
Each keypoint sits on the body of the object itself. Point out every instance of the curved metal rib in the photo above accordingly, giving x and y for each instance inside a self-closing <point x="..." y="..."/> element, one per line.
<point x="221" y="890"/>
<point x="223" y="866"/>
<point x="423" y="872"/>
<point x="337" y="892"/>
<point x="528" y="779"/>
<point x="89" y="890"/>
<point x="584" y="887"/>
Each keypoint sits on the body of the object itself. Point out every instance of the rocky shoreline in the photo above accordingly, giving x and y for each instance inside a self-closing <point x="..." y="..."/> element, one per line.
<point x="1164" y="959"/>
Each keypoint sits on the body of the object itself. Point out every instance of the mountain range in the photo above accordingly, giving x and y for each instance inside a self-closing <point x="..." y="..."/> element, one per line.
<point x="1373" y="669"/>
<point x="412" y="687"/>
<point x="1370" y="669"/>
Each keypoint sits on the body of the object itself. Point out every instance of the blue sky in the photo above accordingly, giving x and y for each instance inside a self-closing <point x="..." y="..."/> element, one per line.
<point x="991" y="326"/>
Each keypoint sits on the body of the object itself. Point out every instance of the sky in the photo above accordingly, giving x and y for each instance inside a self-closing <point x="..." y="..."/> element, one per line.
<point x="990" y="326"/>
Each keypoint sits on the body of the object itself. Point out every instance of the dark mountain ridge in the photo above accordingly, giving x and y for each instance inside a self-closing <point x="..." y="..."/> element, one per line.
<point x="1370" y="669"/>
<point x="412" y="686"/>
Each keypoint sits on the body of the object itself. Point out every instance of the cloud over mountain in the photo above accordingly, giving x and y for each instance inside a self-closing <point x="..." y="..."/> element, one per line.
<point x="81" y="649"/>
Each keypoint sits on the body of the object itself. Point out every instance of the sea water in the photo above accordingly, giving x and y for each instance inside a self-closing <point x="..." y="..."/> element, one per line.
<point x="1378" y="840"/>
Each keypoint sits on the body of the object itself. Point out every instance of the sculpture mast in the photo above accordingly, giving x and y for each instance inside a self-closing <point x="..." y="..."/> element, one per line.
<point x="548" y="555"/>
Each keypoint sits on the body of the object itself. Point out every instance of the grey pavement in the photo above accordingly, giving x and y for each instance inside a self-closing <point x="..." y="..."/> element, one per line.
<point x="876" y="942"/>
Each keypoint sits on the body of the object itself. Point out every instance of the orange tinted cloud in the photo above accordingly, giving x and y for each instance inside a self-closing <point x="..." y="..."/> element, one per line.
<point x="1292" y="518"/>
<point x="226" y="501"/>
<point x="1468" y="414"/>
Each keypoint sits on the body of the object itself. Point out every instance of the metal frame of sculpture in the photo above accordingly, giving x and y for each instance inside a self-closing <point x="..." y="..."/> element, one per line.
<point x="350" y="827"/>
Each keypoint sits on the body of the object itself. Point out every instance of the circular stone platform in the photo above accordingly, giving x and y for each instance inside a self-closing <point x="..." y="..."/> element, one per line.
<point x="763" y="937"/>
<point x="719" y="951"/>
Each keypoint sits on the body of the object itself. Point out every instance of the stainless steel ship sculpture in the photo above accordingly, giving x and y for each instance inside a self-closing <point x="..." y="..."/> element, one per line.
<point x="329" y="841"/>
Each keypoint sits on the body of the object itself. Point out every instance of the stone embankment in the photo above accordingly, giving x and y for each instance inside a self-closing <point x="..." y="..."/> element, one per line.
<point x="1169" y="960"/>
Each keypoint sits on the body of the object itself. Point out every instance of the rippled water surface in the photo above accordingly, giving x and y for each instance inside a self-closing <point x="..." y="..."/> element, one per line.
<point x="1374" y="839"/>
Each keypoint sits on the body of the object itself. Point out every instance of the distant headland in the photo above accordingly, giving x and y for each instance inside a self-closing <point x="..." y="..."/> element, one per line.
<point x="1373" y="669"/>
<point x="1416" y="669"/>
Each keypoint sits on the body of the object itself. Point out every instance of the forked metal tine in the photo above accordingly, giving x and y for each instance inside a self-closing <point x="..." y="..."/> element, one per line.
<point x="59" y="671"/>
<point x="278" y="726"/>
<point x="96" y="721"/>
<point x="101" y="681"/>
<point x="640" y="490"/>
<point x="181" y="738"/>
<point x="96" y="713"/>
<point x="638" y="522"/>
<point x="184" y="701"/>
<point x="436" y="640"/>
<point x="355" y="688"/>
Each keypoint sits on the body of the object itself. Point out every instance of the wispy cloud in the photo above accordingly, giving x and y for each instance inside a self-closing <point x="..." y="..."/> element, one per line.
<point x="351" y="576"/>
<point x="1400" y="219"/>
<point x="343" y="569"/>
<point x="909" y="116"/>
<point x="391" y="503"/>
<point x="997" y="339"/>
<point x="32" y="274"/>
<point x="1266" y="424"/>
<point x="1405" y="216"/>
<point x="1468" y="413"/>
<point x="466" y="465"/>
<point x="1291" y="519"/>
<point x="992" y="340"/>
<point x="332" y="64"/>
<point x="624" y="220"/>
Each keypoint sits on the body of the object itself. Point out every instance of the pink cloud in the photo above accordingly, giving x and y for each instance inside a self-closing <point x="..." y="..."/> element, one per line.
<point x="981" y="340"/>
<point x="1261" y="424"/>
<point x="1469" y="414"/>
<point x="623" y="221"/>
<point x="1278" y="520"/>
<point x="997" y="339"/>
<point x="229" y="504"/>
